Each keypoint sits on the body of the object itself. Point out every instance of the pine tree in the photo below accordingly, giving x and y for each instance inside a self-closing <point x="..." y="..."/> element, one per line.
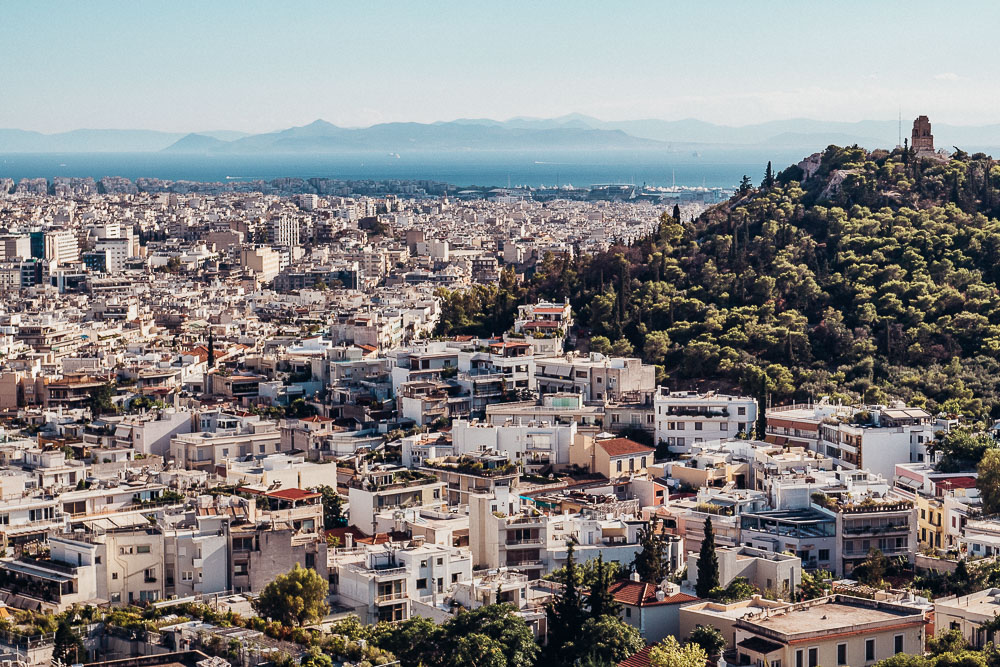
<point x="67" y="645"/>
<point x="708" y="563"/>
<point x="649" y="561"/>
<point x="602" y="601"/>
<point x="565" y="613"/>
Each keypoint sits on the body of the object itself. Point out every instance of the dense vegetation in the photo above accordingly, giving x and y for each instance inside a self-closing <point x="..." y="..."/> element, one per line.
<point x="874" y="279"/>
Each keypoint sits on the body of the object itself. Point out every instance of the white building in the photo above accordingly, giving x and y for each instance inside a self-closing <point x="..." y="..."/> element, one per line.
<point x="685" y="418"/>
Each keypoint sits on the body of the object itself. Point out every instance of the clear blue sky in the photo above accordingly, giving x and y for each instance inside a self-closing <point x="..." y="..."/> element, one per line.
<point x="258" y="66"/>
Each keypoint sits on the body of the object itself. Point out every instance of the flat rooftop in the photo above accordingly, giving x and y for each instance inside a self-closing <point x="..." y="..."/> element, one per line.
<point x="830" y="616"/>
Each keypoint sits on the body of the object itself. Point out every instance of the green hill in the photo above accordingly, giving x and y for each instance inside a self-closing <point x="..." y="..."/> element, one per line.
<point x="882" y="287"/>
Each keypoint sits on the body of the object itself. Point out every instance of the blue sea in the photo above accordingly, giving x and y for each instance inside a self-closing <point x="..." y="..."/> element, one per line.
<point x="713" y="167"/>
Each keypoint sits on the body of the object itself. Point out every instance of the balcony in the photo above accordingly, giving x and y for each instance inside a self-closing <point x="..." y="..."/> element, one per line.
<point x="390" y="597"/>
<point x="528" y="542"/>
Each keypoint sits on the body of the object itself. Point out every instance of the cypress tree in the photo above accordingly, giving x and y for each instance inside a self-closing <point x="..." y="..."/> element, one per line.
<point x="565" y="613"/>
<point x="708" y="563"/>
<point x="602" y="602"/>
<point x="211" y="350"/>
<point x="649" y="561"/>
<point x="768" y="177"/>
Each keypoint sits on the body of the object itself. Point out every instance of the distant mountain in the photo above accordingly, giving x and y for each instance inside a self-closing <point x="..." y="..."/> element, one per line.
<point x="195" y="143"/>
<point x="570" y="132"/>
<point x="323" y="137"/>
<point x="99" y="141"/>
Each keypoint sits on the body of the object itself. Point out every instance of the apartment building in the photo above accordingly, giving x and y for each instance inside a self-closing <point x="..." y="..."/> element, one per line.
<point x="778" y="573"/>
<point x="871" y="437"/>
<point x="686" y="418"/>
<point x="969" y="614"/>
<point x="835" y="630"/>
<point x="595" y="377"/>
<point x="382" y="585"/>
<point x="384" y="487"/>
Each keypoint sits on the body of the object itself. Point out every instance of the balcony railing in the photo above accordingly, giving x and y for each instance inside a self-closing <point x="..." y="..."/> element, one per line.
<point x="390" y="597"/>
<point x="525" y="542"/>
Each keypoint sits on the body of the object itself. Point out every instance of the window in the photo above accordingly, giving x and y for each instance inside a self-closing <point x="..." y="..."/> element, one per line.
<point x="870" y="650"/>
<point x="842" y="654"/>
<point x="897" y="645"/>
<point x="813" y="656"/>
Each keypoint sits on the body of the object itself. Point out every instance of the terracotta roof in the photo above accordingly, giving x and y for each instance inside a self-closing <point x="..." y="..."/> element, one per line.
<point x="640" y="659"/>
<point x="623" y="446"/>
<point x="292" y="494"/>
<point x="641" y="594"/>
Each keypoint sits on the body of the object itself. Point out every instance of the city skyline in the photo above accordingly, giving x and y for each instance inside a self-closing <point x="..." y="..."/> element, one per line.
<point x="250" y="67"/>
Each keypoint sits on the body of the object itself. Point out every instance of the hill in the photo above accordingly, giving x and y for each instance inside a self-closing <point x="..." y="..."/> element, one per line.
<point x="874" y="279"/>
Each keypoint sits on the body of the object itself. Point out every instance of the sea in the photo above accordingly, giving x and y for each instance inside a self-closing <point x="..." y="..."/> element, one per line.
<point x="709" y="167"/>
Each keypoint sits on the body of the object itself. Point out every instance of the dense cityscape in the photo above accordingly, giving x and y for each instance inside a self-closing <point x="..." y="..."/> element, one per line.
<point x="517" y="334"/>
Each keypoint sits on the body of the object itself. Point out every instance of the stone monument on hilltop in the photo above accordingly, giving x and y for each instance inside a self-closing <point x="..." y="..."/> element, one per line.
<point x="922" y="140"/>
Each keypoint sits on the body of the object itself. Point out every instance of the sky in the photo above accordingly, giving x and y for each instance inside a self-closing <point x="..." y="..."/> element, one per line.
<point x="260" y="66"/>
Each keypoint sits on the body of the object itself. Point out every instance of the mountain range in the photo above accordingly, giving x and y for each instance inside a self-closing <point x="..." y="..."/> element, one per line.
<point x="571" y="132"/>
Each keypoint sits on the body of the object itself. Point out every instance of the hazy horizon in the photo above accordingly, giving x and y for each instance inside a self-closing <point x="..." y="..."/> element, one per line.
<point x="257" y="67"/>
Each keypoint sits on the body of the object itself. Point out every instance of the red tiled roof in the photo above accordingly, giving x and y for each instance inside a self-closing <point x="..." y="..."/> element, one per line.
<point x="641" y="594"/>
<point x="623" y="446"/>
<point x="958" y="483"/>
<point x="292" y="494"/>
<point x="640" y="659"/>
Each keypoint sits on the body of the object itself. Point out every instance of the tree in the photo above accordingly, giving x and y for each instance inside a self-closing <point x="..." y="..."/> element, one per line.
<point x="294" y="598"/>
<point x="316" y="658"/>
<point x="872" y="571"/>
<point x="565" y="615"/>
<point x="333" y="508"/>
<point x="768" y="182"/>
<point x="745" y="185"/>
<point x="670" y="653"/>
<point x="988" y="481"/>
<point x="622" y="348"/>
<point x="100" y="400"/>
<point x="601" y="599"/>
<point x="211" y="350"/>
<point x="650" y="561"/>
<point x="67" y="646"/>
<point x="816" y="584"/>
<point x="600" y="344"/>
<point x="738" y="589"/>
<point x="609" y="640"/>
<point x="708" y="563"/>
<point x="708" y="638"/>
<point x="587" y="573"/>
